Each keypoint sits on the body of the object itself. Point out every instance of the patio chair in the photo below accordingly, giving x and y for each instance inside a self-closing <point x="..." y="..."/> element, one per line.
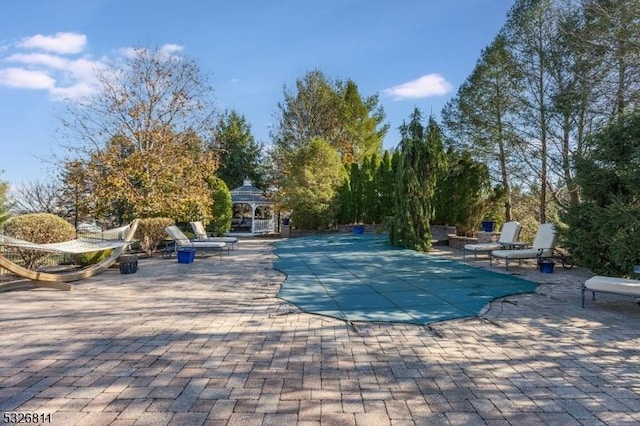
<point x="508" y="235"/>
<point x="201" y="235"/>
<point x="543" y="246"/>
<point x="181" y="241"/>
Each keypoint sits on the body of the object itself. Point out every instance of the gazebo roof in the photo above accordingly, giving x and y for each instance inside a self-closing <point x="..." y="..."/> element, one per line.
<point x="247" y="193"/>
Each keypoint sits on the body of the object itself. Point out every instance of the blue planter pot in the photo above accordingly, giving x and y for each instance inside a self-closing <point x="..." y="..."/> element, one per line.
<point x="546" y="266"/>
<point x="488" y="225"/>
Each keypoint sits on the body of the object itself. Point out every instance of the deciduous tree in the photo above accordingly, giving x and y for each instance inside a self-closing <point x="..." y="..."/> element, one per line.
<point x="310" y="191"/>
<point x="143" y="138"/>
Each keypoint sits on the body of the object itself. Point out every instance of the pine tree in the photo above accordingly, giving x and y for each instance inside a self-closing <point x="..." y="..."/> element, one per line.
<point x="240" y="154"/>
<point x="421" y="157"/>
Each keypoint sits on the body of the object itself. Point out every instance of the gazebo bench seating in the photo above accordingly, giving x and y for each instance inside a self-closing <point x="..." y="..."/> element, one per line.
<point x="603" y="284"/>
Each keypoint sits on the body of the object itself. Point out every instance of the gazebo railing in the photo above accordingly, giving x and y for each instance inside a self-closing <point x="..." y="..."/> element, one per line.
<point x="263" y="225"/>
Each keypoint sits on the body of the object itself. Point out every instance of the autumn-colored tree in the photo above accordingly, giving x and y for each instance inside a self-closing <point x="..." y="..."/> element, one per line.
<point x="75" y="192"/>
<point x="142" y="139"/>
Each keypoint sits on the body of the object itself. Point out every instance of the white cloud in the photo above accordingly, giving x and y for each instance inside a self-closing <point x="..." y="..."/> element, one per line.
<point x="63" y="76"/>
<point x="73" y="77"/>
<point x="164" y="51"/>
<point x="43" y="59"/>
<point x="25" y="79"/>
<point x="423" y="87"/>
<point x="63" y="43"/>
<point x="168" y="49"/>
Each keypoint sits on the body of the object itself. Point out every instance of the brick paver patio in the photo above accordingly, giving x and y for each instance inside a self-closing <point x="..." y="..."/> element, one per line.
<point x="209" y="343"/>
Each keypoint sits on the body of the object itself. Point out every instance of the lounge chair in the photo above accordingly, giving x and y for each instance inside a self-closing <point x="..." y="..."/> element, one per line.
<point x="201" y="235"/>
<point x="508" y="235"/>
<point x="181" y="241"/>
<point x="122" y="238"/>
<point x="603" y="284"/>
<point x="543" y="246"/>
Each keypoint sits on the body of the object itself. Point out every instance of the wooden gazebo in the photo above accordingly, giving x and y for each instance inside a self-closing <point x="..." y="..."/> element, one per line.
<point x="253" y="212"/>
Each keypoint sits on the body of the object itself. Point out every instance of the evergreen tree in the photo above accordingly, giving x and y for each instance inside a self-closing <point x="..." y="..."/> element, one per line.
<point x="385" y="183"/>
<point x="463" y="192"/>
<point x="603" y="229"/>
<point x="481" y="117"/>
<point x="222" y="209"/>
<point x="240" y="154"/>
<point x="370" y="194"/>
<point x="416" y="179"/>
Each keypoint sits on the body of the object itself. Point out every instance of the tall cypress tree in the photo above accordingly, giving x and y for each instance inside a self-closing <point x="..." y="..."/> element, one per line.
<point x="416" y="178"/>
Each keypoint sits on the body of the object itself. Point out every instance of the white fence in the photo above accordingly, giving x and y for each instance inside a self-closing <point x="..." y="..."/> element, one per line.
<point x="264" y="226"/>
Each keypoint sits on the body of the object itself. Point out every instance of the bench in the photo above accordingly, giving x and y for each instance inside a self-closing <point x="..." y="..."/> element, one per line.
<point x="622" y="286"/>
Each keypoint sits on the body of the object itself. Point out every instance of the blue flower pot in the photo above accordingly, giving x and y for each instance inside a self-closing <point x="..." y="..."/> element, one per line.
<point x="488" y="225"/>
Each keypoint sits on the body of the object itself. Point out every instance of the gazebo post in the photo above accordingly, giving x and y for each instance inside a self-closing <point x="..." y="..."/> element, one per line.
<point x="253" y="218"/>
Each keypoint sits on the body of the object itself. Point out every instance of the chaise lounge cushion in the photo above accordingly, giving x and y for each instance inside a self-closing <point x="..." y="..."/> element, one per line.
<point x="543" y="245"/>
<point x="613" y="285"/>
<point x="509" y="234"/>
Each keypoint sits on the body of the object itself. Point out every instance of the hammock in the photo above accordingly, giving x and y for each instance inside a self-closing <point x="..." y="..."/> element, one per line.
<point x="124" y="237"/>
<point x="112" y="238"/>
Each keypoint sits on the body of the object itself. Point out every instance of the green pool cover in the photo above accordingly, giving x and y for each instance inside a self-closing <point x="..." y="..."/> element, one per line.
<point x="364" y="278"/>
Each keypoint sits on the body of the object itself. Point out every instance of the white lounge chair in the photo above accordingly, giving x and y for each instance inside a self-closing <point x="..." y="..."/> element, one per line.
<point x="201" y="235"/>
<point x="543" y="246"/>
<point x="181" y="241"/>
<point x="509" y="234"/>
<point x="603" y="284"/>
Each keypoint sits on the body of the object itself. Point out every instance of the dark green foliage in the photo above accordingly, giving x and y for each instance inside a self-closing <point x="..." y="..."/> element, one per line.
<point x="367" y="194"/>
<point x="604" y="229"/>
<point x="40" y="228"/>
<point x="239" y="153"/>
<point x="462" y="193"/>
<point x="385" y="180"/>
<point x="416" y="178"/>
<point x="222" y="207"/>
<point x="370" y="190"/>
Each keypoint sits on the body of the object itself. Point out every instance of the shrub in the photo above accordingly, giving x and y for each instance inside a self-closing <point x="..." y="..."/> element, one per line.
<point x="222" y="207"/>
<point x="92" y="258"/>
<point x="604" y="226"/>
<point x="151" y="233"/>
<point x="40" y="228"/>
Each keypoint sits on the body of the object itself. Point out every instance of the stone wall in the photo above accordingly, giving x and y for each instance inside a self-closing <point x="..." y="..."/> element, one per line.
<point x="458" y="242"/>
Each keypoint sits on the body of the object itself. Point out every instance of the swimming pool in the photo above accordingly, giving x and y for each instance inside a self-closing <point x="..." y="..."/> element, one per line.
<point x="364" y="278"/>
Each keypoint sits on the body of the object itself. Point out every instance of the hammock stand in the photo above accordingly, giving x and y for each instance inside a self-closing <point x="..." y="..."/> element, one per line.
<point x="60" y="280"/>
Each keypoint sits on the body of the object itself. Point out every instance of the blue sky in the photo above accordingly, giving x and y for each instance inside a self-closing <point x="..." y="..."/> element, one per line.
<point x="411" y="52"/>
